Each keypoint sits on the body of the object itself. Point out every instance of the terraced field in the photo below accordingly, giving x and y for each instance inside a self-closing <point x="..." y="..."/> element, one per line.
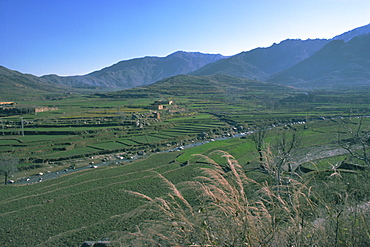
<point x="77" y="130"/>
<point x="82" y="206"/>
<point x="92" y="204"/>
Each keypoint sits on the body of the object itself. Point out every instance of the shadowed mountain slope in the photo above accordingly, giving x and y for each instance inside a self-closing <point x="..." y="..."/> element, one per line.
<point x="338" y="65"/>
<point x="271" y="62"/>
<point x="261" y="63"/>
<point x="15" y="85"/>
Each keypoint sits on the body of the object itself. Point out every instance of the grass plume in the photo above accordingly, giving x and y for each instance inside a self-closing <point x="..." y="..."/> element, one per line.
<point x="235" y="210"/>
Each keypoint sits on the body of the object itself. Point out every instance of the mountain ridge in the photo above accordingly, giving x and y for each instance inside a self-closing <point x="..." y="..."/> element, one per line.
<point x="264" y="64"/>
<point x="270" y="63"/>
<point x="140" y="71"/>
<point x="337" y="64"/>
<point x="261" y="63"/>
<point x="347" y="36"/>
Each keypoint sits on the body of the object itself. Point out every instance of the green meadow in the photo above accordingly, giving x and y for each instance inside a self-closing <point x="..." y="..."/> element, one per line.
<point x="92" y="204"/>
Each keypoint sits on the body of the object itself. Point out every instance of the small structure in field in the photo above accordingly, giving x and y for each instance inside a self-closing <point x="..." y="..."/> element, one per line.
<point x="7" y="105"/>
<point x="43" y="109"/>
<point x="156" y="115"/>
<point x="161" y="104"/>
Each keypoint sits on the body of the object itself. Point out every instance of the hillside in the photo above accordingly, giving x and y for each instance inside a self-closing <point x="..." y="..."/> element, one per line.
<point x="261" y="63"/>
<point x="116" y="134"/>
<point x="217" y="87"/>
<point x="85" y="81"/>
<point x="140" y="71"/>
<point x="338" y="65"/>
<point x="15" y="85"/>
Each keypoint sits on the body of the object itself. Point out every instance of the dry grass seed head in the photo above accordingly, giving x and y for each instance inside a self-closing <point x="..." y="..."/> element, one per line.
<point x="210" y="161"/>
<point x="139" y="195"/>
<point x="175" y="191"/>
<point x="214" y="177"/>
<point x="238" y="174"/>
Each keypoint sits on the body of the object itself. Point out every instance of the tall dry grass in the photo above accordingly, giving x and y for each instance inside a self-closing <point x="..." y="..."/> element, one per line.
<point x="232" y="209"/>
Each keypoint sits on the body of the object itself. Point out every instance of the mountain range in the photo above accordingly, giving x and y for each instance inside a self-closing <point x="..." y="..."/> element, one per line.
<point x="140" y="71"/>
<point x="340" y="62"/>
<point x="338" y="65"/>
<point x="261" y="63"/>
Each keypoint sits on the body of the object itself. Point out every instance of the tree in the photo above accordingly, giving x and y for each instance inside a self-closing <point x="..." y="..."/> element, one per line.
<point x="278" y="158"/>
<point x="8" y="165"/>
<point x="121" y="114"/>
<point x="357" y="139"/>
<point x="287" y="142"/>
<point x="258" y="137"/>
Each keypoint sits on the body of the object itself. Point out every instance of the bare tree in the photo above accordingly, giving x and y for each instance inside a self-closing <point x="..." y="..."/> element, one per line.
<point x="121" y="115"/>
<point x="8" y="165"/>
<point x="279" y="156"/>
<point x="287" y="142"/>
<point x="258" y="137"/>
<point x="358" y="141"/>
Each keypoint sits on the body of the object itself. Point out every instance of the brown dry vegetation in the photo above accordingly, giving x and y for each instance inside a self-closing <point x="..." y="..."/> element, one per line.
<point x="234" y="210"/>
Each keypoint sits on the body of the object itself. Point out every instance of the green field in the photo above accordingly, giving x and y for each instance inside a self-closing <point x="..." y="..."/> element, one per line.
<point x="92" y="204"/>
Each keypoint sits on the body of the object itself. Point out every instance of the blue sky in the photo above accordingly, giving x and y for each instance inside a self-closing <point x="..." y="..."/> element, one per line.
<point x="75" y="37"/>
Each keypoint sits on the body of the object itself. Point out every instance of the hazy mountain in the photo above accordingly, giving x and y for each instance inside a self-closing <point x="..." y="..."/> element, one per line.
<point x="80" y="81"/>
<point x="347" y="36"/>
<point x="278" y="63"/>
<point x="271" y="62"/>
<point x="339" y="64"/>
<point x="261" y="63"/>
<point x="15" y="85"/>
<point x="140" y="71"/>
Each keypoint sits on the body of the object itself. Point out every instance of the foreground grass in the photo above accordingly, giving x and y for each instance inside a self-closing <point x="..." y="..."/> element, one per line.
<point x="235" y="210"/>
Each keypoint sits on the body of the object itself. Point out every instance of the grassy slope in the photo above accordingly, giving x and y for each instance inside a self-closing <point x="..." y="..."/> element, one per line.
<point x="86" y="205"/>
<point x="67" y="209"/>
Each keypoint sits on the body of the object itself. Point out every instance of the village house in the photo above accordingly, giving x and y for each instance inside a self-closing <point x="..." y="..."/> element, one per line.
<point x="161" y="104"/>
